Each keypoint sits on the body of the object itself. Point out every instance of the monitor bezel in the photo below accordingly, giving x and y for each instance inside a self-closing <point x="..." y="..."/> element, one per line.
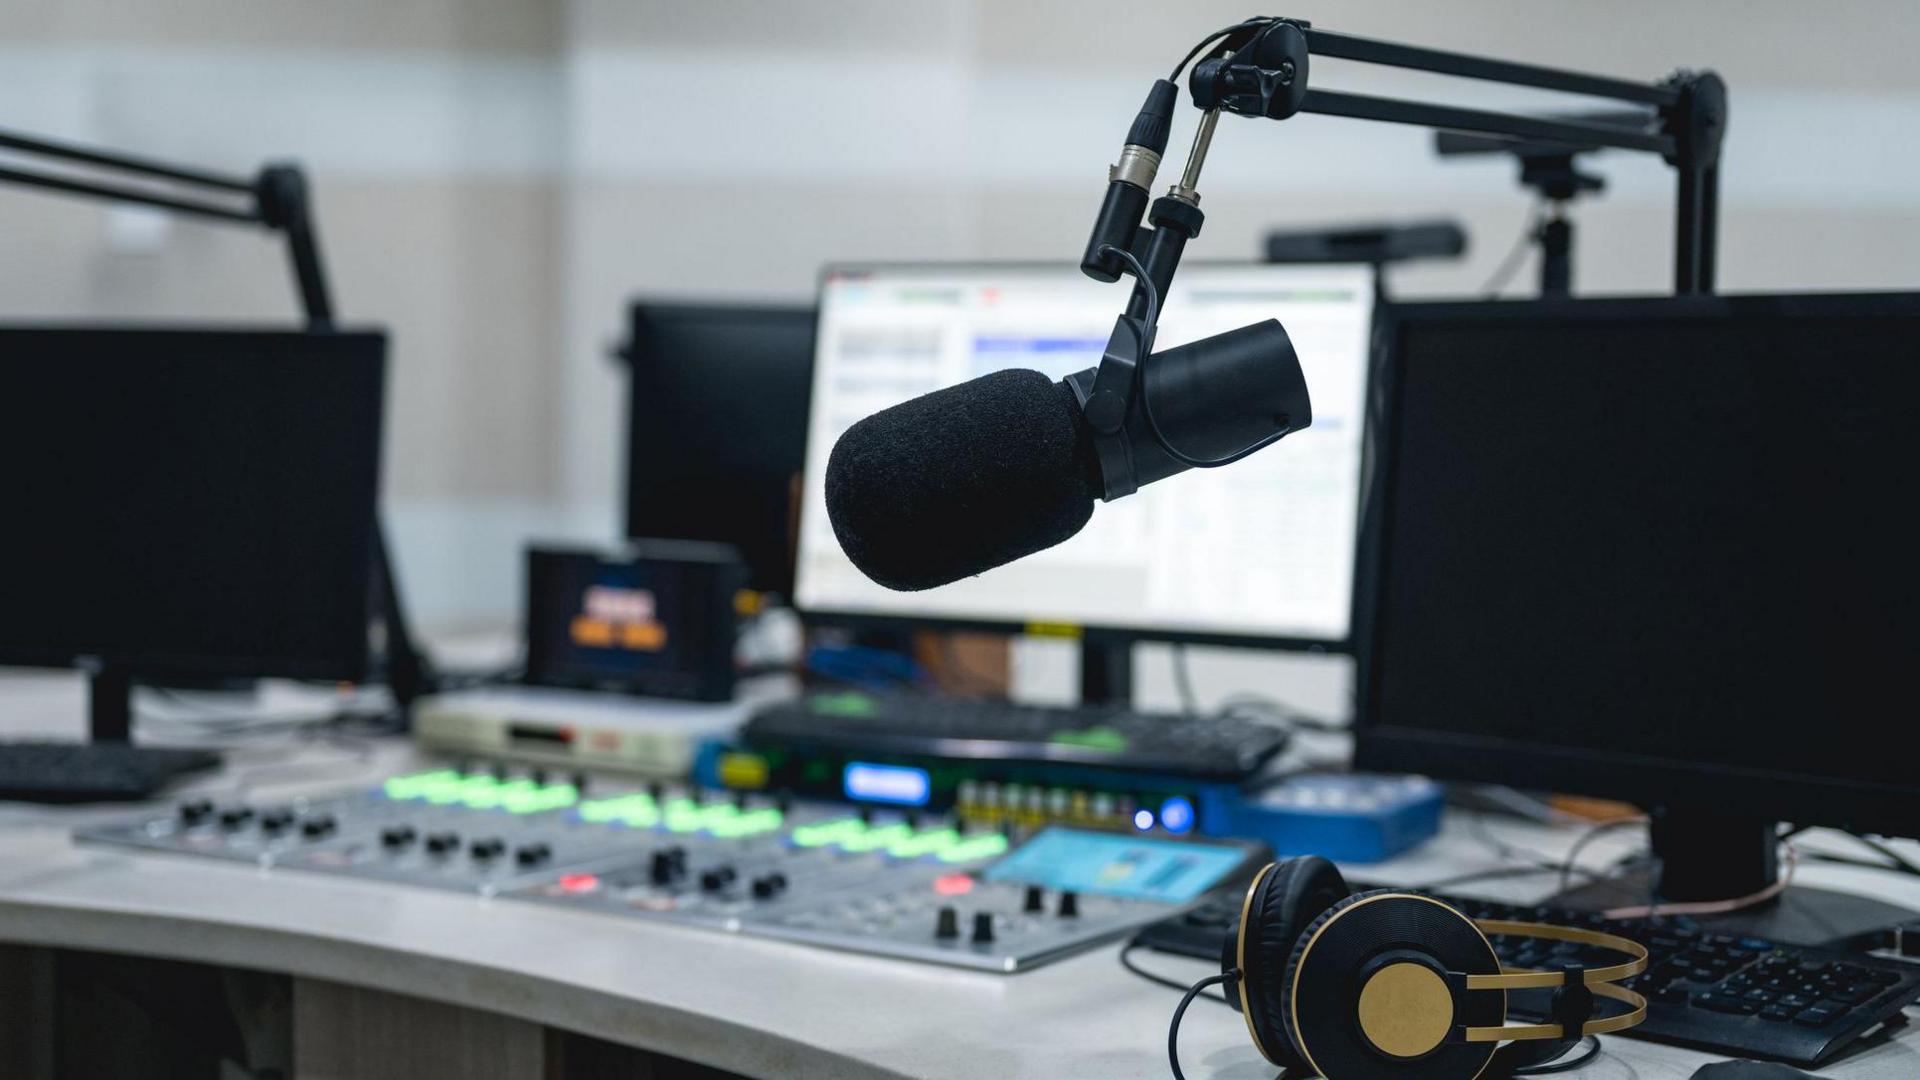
<point x="1647" y="779"/>
<point x="859" y="620"/>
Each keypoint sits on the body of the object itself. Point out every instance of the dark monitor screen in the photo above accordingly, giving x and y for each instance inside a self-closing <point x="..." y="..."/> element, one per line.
<point x="189" y="502"/>
<point x="717" y="428"/>
<point x="1663" y="551"/>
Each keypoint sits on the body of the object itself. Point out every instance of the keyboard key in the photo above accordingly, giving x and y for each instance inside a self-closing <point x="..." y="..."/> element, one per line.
<point x="1778" y="1013"/>
<point x="1725" y="1003"/>
<point x="1816" y="1016"/>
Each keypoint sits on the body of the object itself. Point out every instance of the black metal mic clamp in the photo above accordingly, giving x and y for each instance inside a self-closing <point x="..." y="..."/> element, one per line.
<point x="1263" y="73"/>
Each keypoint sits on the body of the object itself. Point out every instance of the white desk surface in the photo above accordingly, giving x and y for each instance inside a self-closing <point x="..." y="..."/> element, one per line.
<point x="755" y="1007"/>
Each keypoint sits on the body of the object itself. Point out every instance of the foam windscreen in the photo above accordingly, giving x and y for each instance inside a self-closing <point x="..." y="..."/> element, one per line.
<point x="962" y="480"/>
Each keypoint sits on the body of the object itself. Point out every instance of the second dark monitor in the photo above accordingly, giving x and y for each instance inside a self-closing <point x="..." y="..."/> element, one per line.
<point x="189" y="502"/>
<point x="1654" y="550"/>
<point x="717" y="427"/>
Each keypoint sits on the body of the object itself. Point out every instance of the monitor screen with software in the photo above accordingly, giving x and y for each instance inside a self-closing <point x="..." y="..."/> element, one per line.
<point x="1263" y="550"/>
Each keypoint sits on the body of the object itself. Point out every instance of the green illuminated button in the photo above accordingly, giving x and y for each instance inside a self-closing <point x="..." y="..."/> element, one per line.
<point x="923" y="843"/>
<point x="846" y="703"/>
<point x="1093" y="738"/>
<point x="637" y="809"/>
<point x="417" y="785"/>
<point x="877" y="837"/>
<point x="461" y="791"/>
<point x="685" y="815"/>
<point x="751" y="823"/>
<point x="495" y="793"/>
<point x="979" y="847"/>
<point x="822" y="833"/>
<point x="526" y="797"/>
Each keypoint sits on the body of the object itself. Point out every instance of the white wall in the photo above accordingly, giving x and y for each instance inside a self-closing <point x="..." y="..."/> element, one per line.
<point x="496" y="178"/>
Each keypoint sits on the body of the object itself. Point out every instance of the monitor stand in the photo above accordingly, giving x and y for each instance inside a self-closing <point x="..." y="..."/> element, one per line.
<point x="1703" y="857"/>
<point x="1106" y="668"/>
<point x="110" y="704"/>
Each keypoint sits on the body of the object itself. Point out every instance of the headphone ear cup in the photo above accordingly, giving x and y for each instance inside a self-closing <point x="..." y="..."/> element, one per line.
<point x="1285" y="900"/>
<point x="1283" y="996"/>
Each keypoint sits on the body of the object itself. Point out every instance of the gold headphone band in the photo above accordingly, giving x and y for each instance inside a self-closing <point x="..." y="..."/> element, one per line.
<point x="1520" y="979"/>
<point x="1240" y="958"/>
<point x="1601" y="1026"/>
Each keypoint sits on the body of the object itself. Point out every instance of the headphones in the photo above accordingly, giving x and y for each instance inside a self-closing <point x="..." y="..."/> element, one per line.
<point x="1392" y="985"/>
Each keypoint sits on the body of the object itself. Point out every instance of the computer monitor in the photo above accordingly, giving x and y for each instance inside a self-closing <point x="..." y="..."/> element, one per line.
<point x="716" y="428"/>
<point x="189" y="503"/>
<point x="1259" y="553"/>
<point x="1660" y="551"/>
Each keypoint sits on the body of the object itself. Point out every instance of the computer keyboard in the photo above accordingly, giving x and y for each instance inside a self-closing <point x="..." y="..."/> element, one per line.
<point x="1212" y="747"/>
<point x="1740" y="996"/>
<point x="66" y="772"/>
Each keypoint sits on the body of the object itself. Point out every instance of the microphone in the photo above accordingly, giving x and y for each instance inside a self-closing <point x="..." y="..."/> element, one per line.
<point x="974" y="476"/>
<point x="964" y="479"/>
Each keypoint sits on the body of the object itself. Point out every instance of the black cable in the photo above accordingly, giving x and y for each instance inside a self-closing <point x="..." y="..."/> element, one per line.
<point x="1126" y="961"/>
<point x="1514" y="258"/>
<point x="1140" y="372"/>
<point x="1563" y="1063"/>
<point x="1512" y="853"/>
<point x="1245" y="24"/>
<point x="1899" y="861"/>
<point x="1569" y="866"/>
<point x="1173" y="1029"/>
<point x="1858" y="864"/>
<point x="1183" y="680"/>
<point x="1286" y="715"/>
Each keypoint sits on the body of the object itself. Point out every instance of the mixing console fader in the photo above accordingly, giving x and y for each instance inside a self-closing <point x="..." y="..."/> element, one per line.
<point x="893" y="883"/>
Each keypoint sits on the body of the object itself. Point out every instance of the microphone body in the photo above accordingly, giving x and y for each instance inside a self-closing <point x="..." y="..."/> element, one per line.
<point x="964" y="479"/>
<point x="1208" y="400"/>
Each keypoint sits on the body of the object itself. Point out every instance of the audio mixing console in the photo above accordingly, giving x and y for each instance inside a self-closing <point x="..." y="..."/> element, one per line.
<point x="893" y="883"/>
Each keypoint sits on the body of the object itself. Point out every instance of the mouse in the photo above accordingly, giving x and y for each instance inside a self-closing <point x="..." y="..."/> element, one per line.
<point x="1750" y="1070"/>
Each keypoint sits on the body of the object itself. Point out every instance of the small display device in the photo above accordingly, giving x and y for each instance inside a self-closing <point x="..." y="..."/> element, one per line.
<point x="655" y="618"/>
<point x="1129" y="867"/>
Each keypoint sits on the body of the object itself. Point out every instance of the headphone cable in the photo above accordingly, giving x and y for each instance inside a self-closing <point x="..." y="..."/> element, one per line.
<point x="1173" y="1029"/>
<point x="1127" y="961"/>
<point x="1590" y="1047"/>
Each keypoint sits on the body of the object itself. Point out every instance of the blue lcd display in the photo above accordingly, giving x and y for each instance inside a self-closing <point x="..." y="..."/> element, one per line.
<point x="1113" y="864"/>
<point x="896" y="784"/>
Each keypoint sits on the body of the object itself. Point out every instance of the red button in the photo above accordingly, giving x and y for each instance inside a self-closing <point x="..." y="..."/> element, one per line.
<point x="578" y="883"/>
<point x="953" y="884"/>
